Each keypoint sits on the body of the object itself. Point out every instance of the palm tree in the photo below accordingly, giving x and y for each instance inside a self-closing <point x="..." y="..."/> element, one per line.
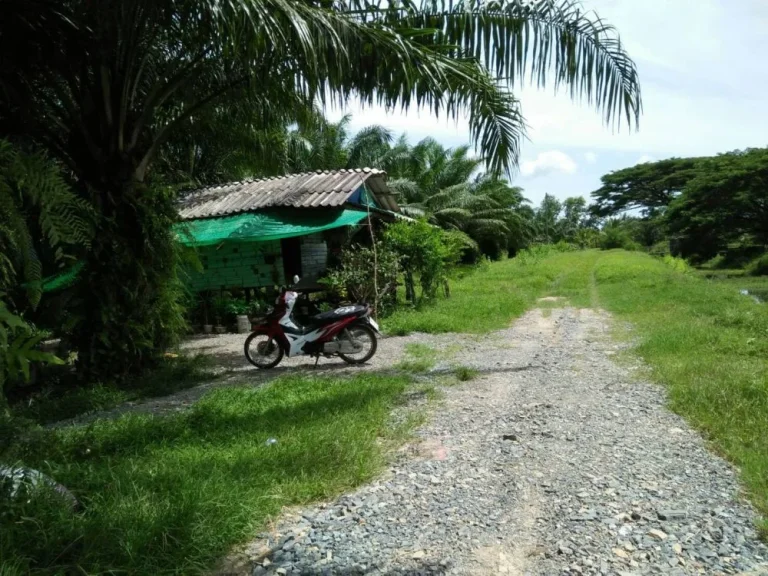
<point x="105" y="85"/>
<point x="317" y="144"/>
<point x="442" y="185"/>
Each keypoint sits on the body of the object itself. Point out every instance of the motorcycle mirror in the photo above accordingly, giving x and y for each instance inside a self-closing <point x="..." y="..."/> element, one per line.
<point x="296" y="279"/>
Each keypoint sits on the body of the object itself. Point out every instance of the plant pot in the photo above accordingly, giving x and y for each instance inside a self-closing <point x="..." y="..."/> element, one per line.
<point x="243" y="324"/>
<point x="220" y="329"/>
<point x="207" y="328"/>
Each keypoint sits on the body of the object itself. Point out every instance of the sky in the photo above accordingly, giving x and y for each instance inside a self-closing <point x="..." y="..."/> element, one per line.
<point x="704" y="81"/>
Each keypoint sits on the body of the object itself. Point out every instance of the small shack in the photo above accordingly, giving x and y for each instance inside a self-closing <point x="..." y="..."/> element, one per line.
<point x="257" y="233"/>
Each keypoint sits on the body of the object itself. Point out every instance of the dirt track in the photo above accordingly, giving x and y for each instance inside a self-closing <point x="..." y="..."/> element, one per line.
<point x="555" y="460"/>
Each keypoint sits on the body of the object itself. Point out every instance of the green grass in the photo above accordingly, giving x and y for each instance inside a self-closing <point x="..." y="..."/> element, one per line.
<point x="737" y="280"/>
<point x="704" y="341"/>
<point x="465" y="373"/>
<point x="419" y="358"/>
<point x="173" y="494"/>
<point x="484" y="300"/>
<point x="61" y="401"/>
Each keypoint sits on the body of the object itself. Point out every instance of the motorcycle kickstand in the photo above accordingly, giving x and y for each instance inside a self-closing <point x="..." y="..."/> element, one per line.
<point x="317" y="359"/>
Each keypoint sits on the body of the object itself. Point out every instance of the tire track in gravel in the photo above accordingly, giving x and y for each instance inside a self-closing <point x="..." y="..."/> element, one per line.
<point x="557" y="460"/>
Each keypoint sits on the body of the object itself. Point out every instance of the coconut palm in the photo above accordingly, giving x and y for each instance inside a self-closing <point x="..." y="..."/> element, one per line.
<point x="105" y="85"/>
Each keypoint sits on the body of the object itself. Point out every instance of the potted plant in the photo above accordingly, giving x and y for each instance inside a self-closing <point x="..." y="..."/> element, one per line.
<point x="220" y="310"/>
<point x="237" y="310"/>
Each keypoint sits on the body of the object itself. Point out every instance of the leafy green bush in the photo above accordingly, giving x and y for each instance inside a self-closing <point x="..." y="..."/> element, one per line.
<point x="424" y="251"/>
<point x="468" y="250"/>
<point x="18" y="343"/>
<point x="586" y="238"/>
<point x="660" y="248"/>
<point x="367" y="275"/>
<point x="616" y="237"/>
<point x="758" y="266"/>
<point x="678" y="264"/>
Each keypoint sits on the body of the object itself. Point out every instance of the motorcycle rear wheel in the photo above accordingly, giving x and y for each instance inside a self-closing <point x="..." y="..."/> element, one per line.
<point x="360" y="332"/>
<point x="265" y="353"/>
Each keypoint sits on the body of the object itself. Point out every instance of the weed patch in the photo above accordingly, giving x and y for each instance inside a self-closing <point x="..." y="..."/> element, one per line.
<point x="419" y="358"/>
<point x="465" y="373"/>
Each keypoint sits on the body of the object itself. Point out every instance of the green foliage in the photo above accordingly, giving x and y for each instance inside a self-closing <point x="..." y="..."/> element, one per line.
<point x="614" y="235"/>
<point x="131" y="298"/>
<point x="677" y="264"/>
<point x="649" y="187"/>
<point x="18" y="350"/>
<point x="425" y="252"/>
<point x="567" y="221"/>
<point x="35" y="201"/>
<point x="174" y="494"/>
<point x="367" y="274"/>
<point x="42" y="222"/>
<point x="705" y="206"/>
<point x="758" y="266"/>
<point x="727" y="202"/>
<point x="467" y="249"/>
<point x="437" y="183"/>
<point x="586" y="238"/>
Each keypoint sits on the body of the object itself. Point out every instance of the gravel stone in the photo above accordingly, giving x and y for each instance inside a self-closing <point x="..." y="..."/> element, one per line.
<point x="555" y="460"/>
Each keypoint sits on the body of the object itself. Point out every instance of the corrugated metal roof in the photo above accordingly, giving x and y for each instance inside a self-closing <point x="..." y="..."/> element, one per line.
<point x="306" y="190"/>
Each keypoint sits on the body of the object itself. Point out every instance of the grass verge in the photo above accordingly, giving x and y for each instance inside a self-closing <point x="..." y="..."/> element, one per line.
<point x="702" y="339"/>
<point x="171" y="495"/>
<point x="708" y="345"/>
<point x="61" y="402"/>
<point x="486" y="299"/>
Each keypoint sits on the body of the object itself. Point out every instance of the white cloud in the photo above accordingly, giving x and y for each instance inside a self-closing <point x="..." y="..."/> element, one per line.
<point x="645" y="158"/>
<point x="590" y="157"/>
<point x="547" y="163"/>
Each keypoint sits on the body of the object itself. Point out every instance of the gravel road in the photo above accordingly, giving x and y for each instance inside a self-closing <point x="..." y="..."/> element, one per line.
<point x="556" y="460"/>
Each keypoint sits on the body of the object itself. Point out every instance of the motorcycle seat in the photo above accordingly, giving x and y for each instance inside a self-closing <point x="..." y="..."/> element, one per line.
<point x="339" y="313"/>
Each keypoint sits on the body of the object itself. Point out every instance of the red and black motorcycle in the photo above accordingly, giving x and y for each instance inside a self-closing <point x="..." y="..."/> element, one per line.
<point x="348" y="332"/>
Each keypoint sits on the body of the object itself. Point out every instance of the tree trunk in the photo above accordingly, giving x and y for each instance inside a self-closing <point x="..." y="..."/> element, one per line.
<point x="130" y="310"/>
<point x="410" y="291"/>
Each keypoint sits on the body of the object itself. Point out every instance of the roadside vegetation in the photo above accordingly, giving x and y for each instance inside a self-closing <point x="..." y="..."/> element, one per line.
<point x="703" y="340"/>
<point x="172" y="494"/>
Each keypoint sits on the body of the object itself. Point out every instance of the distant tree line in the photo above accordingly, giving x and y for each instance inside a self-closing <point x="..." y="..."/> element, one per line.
<point x="699" y="207"/>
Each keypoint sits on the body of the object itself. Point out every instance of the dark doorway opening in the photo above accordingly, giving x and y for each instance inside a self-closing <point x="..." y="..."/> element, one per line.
<point x="291" y="250"/>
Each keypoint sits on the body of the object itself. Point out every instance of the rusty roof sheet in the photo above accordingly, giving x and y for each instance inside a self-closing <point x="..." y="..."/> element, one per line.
<point x="305" y="190"/>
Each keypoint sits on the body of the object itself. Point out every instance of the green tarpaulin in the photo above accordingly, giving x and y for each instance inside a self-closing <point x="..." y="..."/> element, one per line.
<point x="263" y="226"/>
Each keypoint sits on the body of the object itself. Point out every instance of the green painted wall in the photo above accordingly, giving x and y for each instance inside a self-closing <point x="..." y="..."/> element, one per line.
<point x="245" y="264"/>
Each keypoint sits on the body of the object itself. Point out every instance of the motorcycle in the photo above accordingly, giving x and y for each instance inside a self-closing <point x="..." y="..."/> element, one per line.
<point x="348" y="332"/>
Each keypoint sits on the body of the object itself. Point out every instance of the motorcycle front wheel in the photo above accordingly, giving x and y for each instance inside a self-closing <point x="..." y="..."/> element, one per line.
<point x="262" y="351"/>
<point x="363" y="335"/>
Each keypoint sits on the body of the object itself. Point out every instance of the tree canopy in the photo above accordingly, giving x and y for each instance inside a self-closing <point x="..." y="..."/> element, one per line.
<point x="705" y="205"/>
<point x="647" y="187"/>
<point x="726" y="202"/>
